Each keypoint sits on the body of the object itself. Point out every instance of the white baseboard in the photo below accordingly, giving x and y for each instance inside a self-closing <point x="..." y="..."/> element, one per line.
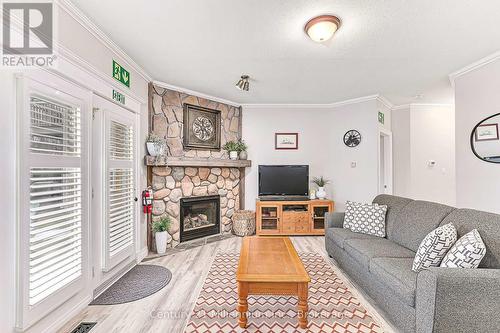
<point x="64" y="318"/>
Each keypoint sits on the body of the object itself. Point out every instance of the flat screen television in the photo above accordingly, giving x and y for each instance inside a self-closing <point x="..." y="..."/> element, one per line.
<point x="286" y="180"/>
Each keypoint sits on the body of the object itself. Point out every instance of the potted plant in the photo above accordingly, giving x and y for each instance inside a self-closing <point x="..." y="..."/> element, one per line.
<point x="160" y="228"/>
<point x="242" y="148"/>
<point x="320" y="182"/>
<point x="155" y="145"/>
<point x="233" y="148"/>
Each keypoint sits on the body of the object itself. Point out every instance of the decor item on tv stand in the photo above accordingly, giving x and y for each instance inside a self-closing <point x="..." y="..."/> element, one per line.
<point x="155" y="145"/>
<point x="160" y="228"/>
<point x="320" y="182"/>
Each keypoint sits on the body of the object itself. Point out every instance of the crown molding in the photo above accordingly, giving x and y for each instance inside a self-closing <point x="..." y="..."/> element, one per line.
<point x="91" y="27"/>
<point x="385" y="102"/>
<point x="408" y="106"/>
<point x="315" y="106"/>
<point x="474" y="66"/>
<point x="195" y="93"/>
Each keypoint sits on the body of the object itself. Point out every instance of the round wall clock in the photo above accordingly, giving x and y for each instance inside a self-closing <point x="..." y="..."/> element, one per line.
<point x="352" y="138"/>
<point x="203" y="128"/>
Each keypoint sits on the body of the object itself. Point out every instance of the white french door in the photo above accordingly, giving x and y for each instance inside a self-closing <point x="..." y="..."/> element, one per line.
<point x="114" y="184"/>
<point x="53" y="195"/>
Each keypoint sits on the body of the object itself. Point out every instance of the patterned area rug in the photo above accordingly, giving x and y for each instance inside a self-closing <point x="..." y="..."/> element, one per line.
<point x="332" y="307"/>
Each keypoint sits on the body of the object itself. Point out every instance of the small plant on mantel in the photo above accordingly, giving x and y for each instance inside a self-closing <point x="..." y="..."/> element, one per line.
<point x="242" y="148"/>
<point x="320" y="182"/>
<point x="233" y="147"/>
<point x="160" y="228"/>
<point x="155" y="145"/>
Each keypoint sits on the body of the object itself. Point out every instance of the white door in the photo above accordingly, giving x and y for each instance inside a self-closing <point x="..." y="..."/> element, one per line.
<point x="385" y="162"/>
<point x="53" y="195"/>
<point x="114" y="188"/>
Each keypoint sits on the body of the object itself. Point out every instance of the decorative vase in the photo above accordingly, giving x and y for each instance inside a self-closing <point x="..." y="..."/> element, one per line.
<point x="154" y="149"/>
<point x="320" y="193"/>
<point x="233" y="155"/>
<point x="161" y="242"/>
<point x="243" y="155"/>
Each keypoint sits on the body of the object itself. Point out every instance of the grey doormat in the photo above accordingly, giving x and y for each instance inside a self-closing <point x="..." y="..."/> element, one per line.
<point x="141" y="281"/>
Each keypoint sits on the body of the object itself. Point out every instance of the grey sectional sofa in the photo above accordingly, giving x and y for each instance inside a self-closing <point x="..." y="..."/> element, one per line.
<point x="436" y="299"/>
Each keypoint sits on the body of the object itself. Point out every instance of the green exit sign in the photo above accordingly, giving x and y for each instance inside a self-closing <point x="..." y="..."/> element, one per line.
<point x="381" y="118"/>
<point x="121" y="74"/>
<point x="119" y="97"/>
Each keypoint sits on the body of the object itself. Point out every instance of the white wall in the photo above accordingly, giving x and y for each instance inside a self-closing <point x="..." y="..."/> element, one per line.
<point x="321" y="146"/>
<point x="423" y="133"/>
<point x="358" y="183"/>
<point x="477" y="96"/>
<point x="401" y="148"/>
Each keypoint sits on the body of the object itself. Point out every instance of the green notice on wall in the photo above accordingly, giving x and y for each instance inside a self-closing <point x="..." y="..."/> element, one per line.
<point x="121" y="74"/>
<point x="381" y="117"/>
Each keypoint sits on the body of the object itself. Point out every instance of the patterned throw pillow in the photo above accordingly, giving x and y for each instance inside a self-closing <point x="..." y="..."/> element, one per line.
<point x="467" y="252"/>
<point x="368" y="219"/>
<point x="434" y="246"/>
<point x="350" y="208"/>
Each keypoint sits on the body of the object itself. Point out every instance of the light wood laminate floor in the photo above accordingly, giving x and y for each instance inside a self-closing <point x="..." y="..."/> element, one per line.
<point x="169" y="309"/>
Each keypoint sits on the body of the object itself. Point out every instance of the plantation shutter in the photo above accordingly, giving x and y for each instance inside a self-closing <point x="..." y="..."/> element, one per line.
<point x="55" y="251"/>
<point x="53" y="206"/>
<point x="120" y="188"/>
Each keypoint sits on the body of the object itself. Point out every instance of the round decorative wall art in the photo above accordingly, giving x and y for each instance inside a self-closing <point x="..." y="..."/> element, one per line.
<point x="352" y="138"/>
<point x="203" y="128"/>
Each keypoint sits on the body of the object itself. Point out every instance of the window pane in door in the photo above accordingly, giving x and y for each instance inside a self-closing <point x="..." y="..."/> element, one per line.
<point x="55" y="253"/>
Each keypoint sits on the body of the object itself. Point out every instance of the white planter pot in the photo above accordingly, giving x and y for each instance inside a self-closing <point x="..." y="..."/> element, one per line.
<point x="161" y="242"/>
<point x="233" y="155"/>
<point x="243" y="155"/>
<point x="321" y="194"/>
<point x="154" y="149"/>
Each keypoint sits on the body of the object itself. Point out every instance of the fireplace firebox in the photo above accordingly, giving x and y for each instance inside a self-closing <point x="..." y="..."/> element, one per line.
<point x="199" y="217"/>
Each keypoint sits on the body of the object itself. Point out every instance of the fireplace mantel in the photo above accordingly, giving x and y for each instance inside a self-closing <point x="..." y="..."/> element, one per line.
<point x="195" y="162"/>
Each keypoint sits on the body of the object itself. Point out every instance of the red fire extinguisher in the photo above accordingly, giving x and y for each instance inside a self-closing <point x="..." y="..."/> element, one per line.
<point x="147" y="201"/>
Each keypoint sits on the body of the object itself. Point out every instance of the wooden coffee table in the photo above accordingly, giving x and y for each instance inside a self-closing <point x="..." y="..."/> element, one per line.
<point x="271" y="266"/>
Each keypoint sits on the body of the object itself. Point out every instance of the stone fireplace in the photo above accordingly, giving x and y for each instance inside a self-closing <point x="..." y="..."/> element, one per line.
<point x="184" y="177"/>
<point x="199" y="217"/>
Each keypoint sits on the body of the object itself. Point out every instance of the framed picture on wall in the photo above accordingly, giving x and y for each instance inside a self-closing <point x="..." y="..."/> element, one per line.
<point x="286" y="141"/>
<point x="201" y="127"/>
<point x="487" y="132"/>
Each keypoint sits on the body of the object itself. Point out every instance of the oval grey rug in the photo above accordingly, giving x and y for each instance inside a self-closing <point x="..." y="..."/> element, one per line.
<point x="141" y="281"/>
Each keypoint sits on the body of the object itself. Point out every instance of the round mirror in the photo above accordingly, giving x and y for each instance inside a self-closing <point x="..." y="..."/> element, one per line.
<point x="485" y="141"/>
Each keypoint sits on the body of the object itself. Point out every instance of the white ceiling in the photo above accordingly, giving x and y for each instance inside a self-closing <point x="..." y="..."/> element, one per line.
<point x="396" y="48"/>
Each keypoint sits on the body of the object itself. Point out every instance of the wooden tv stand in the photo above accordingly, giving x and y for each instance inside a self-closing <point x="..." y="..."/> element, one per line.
<point x="292" y="217"/>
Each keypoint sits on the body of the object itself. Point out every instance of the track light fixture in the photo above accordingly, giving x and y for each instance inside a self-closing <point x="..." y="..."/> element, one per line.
<point x="243" y="83"/>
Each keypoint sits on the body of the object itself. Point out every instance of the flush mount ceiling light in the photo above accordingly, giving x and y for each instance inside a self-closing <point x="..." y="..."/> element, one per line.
<point x="243" y="83"/>
<point x="321" y="28"/>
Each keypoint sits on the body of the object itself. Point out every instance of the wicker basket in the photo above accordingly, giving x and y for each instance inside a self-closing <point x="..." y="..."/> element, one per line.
<point x="244" y="222"/>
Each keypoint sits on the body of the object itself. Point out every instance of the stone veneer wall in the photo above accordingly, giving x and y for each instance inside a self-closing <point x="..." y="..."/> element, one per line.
<point x="167" y="120"/>
<point x="172" y="184"/>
